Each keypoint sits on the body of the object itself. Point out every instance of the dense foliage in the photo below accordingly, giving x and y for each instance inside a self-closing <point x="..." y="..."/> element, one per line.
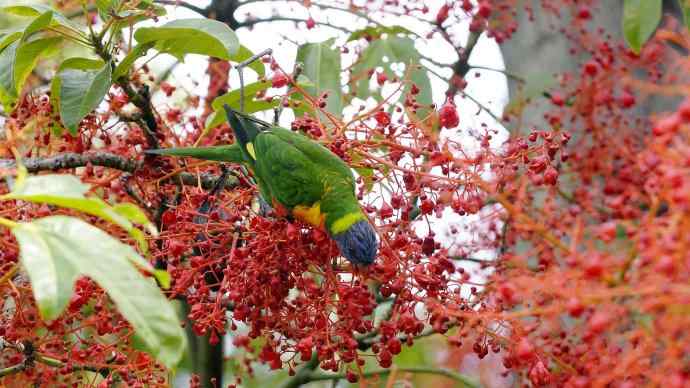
<point x="584" y="219"/>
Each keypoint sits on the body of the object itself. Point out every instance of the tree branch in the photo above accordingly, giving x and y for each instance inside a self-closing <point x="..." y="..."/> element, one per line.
<point x="109" y="160"/>
<point x="73" y="160"/>
<point x="461" y="67"/>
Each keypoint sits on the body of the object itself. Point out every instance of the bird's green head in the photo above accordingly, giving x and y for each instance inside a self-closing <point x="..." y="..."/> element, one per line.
<point x="358" y="243"/>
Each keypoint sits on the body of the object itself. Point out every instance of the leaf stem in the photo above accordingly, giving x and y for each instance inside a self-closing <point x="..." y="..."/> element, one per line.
<point x="12" y="369"/>
<point x="8" y="223"/>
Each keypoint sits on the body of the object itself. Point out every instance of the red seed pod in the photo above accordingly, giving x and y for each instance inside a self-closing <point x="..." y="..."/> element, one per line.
<point x="484" y="9"/>
<point x="381" y="78"/>
<point x="279" y="79"/>
<point x="448" y="115"/>
<point x="382" y="118"/>
<point x="428" y="246"/>
<point x="442" y="14"/>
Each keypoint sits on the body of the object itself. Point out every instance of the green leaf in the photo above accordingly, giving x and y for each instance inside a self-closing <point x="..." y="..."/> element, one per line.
<point x="105" y="7"/>
<point x="79" y="88"/>
<point x="122" y="68"/>
<point x="685" y="9"/>
<point x="243" y="54"/>
<point x="69" y="192"/>
<point x="396" y="50"/>
<point x="38" y="24"/>
<point x="640" y="19"/>
<point x="233" y="98"/>
<point x="55" y="250"/>
<point x="375" y="32"/>
<point x="38" y="9"/>
<point x="52" y="275"/>
<point x="7" y="37"/>
<point x="192" y="36"/>
<point x="322" y="67"/>
<point x="17" y="61"/>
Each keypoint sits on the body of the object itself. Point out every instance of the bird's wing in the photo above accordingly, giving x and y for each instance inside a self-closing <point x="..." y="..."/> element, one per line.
<point x="292" y="177"/>
<point x="335" y="168"/>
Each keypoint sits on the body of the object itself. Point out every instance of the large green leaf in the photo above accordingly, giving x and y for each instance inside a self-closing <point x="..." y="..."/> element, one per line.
<point x="59" y="20"/>
<point x="192" y="36"/>
<point x="78" y="88"/>
<point x="640" y="19"/>
<point x="38" y="24"/>
<point x="233" y="98"/>
<point x="18" y="60"/>
<point x="685" y="9"/>
<point x="396" y="50"/>
<point x="69" y="192"/>
<point x="55" y="250"/>
<point x="322" y="67"/>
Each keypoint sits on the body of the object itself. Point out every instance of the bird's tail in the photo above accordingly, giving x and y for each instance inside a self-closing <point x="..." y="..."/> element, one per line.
<point x="245" y="129"/>
<point x="225" y="153"/>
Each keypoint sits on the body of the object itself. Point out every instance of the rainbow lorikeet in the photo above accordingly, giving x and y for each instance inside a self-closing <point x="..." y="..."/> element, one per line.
<point x="298" y="177"/>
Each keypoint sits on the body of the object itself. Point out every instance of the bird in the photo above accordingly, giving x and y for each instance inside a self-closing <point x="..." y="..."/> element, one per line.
<point x="299" y="178"/>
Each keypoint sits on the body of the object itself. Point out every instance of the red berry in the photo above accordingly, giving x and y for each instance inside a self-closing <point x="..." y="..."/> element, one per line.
<point x="279" y="79"/>
<point x="575" y="308"/>
<point x="176" y="247"/>
<point x="484" y="10"/>
<point x="383" y="118"/>
<point x="381" y="78"/>
<point x="427" y="206"/>
<point x="394" y="346"/>
<point x="386" y="211"/>
<point x="524" y="350"/>
<point x="666" y="125"/>
<point x="428" y="246"/>
<point x="448" y="115"/>
<point x="550" y="176"/>
<point x="584" y="13"/>
<point x="167" y="89"/>
<point x="168" y="218"/>
<point x="684" y="110"/>
<point x="311" y="23"/>
<point x="627" y="100"/>
<point x="557" y="99"/>
<point x="599" y="321"/>
<point x="591" y="68"/>
<point x="352" y="377"/>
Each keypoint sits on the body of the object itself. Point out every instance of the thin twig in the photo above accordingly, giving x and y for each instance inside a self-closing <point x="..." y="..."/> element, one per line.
<point x="251" y="22"/>
<point x="240" y="70"/>
<point x="184" y="4"/>
<point x="462" y="379"/>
